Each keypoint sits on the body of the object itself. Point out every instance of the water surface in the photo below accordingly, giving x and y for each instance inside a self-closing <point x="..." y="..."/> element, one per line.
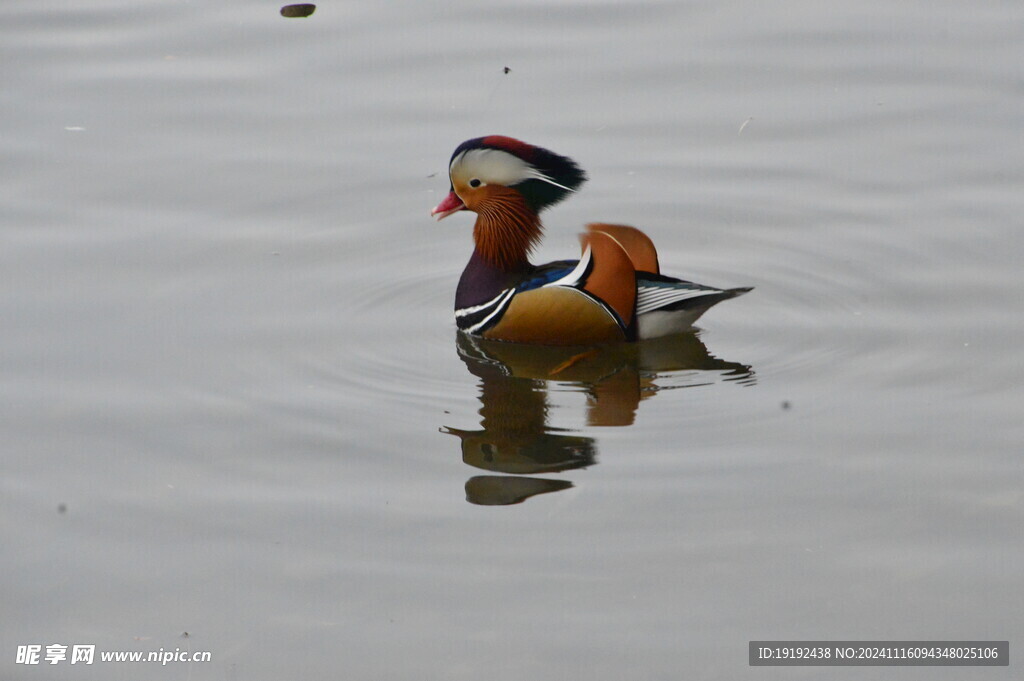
<point x="234" y="403"/>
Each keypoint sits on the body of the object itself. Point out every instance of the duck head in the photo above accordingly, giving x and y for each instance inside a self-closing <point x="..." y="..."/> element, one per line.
<point x="489" y="173"/>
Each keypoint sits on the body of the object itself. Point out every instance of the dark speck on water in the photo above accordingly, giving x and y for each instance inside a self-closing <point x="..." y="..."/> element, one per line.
<point x="62" y="508"/>
<point x="298" y="11"/>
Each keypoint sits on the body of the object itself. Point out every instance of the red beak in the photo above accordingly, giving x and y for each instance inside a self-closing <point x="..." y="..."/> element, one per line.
<point x="451" y="204"/>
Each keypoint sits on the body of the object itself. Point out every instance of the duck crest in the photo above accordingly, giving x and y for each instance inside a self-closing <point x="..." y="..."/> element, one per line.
<point x="506" y="229"/>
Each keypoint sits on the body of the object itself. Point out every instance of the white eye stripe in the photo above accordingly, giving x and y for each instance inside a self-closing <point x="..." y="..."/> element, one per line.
<point x="494" y="166"/>
<point x="537" y="175"/>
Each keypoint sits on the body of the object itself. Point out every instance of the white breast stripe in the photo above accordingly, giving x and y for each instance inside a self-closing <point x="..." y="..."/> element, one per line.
<point x="463" y="311"/>
<point x="498" y="309"/>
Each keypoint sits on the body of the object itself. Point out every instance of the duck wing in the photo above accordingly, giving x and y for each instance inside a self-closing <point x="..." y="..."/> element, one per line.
<point x="666" y="305"/>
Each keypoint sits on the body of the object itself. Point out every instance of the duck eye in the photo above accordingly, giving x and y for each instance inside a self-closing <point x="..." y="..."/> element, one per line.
<point x="475" y="182"/>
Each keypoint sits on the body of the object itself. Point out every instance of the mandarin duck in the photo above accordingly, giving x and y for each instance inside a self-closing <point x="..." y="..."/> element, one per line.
<point x="614" y="292"/>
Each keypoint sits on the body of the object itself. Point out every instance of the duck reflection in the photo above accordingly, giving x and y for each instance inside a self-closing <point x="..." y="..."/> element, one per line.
<point x="514" y="437"/>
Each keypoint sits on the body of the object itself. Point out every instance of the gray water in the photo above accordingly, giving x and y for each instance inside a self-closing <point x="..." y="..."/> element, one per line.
<point x="236" y="417"/>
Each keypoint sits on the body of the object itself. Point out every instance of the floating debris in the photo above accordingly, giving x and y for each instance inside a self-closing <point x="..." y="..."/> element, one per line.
<point x="572" y="360"/>
<point x="508" y="70"/>
<point x="785" y="405"/>
<point x="62" y="508"/>
<point x="298" y="11"/>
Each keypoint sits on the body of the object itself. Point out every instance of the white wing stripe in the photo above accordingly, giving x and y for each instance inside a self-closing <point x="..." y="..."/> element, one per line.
<point x="672" y="295"/>
<point x="653" y="297"/>
<point x="573" y="277"/>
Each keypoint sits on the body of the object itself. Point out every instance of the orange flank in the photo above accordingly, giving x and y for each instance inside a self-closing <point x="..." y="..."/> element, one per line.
<point x="556" y="315"/>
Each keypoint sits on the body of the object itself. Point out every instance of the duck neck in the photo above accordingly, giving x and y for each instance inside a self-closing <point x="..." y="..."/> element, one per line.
<point x="480" y="282"/>
<point x="506" y="230"/>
